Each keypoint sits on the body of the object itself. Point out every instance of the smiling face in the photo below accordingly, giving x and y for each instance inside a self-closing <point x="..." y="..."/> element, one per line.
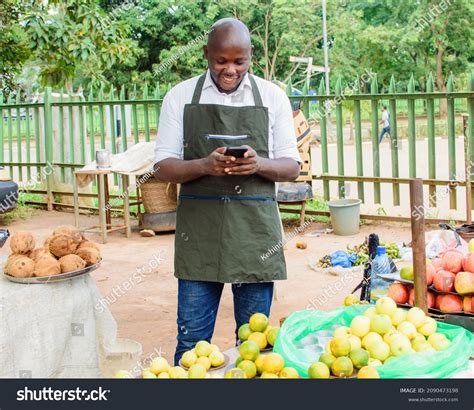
<point x="228" y="65"/>
<point x="228" y="53"/>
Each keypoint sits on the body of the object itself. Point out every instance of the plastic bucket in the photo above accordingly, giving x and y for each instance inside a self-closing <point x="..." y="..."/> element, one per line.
<point x="125" y="355"/>
<point x="345" y="216"/>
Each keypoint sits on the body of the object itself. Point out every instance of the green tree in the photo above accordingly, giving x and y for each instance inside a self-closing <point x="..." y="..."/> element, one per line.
<point x="76" y="37"/>
<point x="13" y="44"/>
<point x="279" y="30"/>
<point x="170" y="35"/>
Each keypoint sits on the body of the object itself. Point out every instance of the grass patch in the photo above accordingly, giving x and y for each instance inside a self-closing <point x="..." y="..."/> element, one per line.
<point x="315" y="204"/>
<point x="22" y="211"/>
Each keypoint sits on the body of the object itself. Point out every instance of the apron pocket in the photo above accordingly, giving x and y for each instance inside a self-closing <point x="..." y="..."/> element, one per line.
<point x="225" y="137"/>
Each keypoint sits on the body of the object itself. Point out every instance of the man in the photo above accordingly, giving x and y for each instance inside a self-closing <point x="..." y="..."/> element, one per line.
<point x="227" y="216"/>
<point x="385" y="122"/>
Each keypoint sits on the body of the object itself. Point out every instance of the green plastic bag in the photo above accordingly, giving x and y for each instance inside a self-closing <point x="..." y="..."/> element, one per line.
<point x="305" y="324"/>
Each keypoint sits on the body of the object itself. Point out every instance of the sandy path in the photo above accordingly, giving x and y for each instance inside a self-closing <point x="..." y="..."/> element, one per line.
<point x="146" y="311"/>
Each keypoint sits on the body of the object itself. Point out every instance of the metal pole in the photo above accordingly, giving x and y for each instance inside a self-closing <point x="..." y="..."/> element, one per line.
<point x="308" y="72"/>
<point x="325" y="47"/>
<point x="418" y="242"/>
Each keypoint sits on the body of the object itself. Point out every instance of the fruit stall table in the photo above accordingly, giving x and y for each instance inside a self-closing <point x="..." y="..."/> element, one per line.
<point x="56" y="330"/>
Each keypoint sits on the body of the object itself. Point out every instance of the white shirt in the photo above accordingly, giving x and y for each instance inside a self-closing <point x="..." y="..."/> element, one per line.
<point x="385" y="119"/>
<point x="281" y="138"/>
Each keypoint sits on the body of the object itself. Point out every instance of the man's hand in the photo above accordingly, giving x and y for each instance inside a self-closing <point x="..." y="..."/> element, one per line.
<point x="248" y="165"/>
<point x="216" y="162"/>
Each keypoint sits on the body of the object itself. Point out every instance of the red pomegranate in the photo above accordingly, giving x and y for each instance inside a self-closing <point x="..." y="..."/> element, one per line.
<point x="452" y="261"/>
<point x="430" y="298"/>
<point x="444" y="281"/>
<point x="398" y="292"/>
<point x="468" y="304"/>
<point x="468" y="262"/>
<point x="449" y="303"/>
<point x="430" y="272"/>
<point x="437" y="263"/>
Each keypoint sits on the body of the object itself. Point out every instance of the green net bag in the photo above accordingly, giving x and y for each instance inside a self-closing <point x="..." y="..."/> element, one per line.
<point x="303" y="336"/>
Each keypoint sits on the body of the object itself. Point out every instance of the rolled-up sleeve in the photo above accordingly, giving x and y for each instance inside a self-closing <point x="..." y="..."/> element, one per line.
<point x="169" y="140"/>
<point x="284" y="138"/>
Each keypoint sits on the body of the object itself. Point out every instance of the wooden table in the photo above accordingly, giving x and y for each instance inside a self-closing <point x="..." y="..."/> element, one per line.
<point x="105" y="218"/>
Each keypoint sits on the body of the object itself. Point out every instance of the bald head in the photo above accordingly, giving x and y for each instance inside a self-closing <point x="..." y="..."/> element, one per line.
<point x="229" y="31"/>
<point x="228" y="53"/>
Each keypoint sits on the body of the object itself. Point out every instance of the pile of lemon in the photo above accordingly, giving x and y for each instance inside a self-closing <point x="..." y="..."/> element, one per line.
<point x="382" y="333"/>
<point x="251" y="363"/>
<point x="259" y="331"/>
<point x="203" y="357"/>
<point x="159" y="368"/>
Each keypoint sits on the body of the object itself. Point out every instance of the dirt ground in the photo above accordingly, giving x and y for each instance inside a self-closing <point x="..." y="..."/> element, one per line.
<point x="146" y="312"/>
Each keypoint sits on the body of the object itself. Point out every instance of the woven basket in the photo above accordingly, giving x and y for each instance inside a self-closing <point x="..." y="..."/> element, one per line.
<point x="159" y="197"/>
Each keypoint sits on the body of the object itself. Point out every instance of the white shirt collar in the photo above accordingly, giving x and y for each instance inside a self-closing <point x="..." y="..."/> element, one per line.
<point x="209" y="83"/>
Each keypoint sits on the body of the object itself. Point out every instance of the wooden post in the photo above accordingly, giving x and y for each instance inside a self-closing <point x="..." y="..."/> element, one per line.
<point x="467" y="166"/>
<point x="418" y="242"/>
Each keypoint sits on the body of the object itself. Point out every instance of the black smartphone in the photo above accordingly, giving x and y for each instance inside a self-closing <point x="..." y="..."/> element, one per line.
<point x="237" y="152"/>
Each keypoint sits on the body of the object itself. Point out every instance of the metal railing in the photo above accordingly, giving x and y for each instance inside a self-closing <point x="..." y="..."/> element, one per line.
<point x="65" y="130"/>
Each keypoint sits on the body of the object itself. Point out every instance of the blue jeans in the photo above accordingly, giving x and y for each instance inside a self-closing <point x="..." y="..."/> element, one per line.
<point x="198" y="302"/>
<point x="385" y="130"/>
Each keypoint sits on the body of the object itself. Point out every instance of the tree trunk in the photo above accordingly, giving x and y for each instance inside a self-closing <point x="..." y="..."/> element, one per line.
<point x="443" y="104"/>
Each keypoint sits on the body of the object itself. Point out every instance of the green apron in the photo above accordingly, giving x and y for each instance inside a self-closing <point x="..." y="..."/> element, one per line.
<point x="228" y="228"/>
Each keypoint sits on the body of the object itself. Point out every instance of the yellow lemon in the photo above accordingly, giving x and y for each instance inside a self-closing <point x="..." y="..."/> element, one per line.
<point x="244" y="332"/>
<point x="368" y="372"/>
<point x="234" y="373"/>
<point x="159" y="365"/>
<point x="268" y="375"/>
<point x="249" y="350"/>
<point x="318" y="370"/>
<point x="217" y="359"/>
<point x="259" y="338"/>
<point x="289" y="373"/>
<point x="203" y="348"/>
<point x="205" y="361"/>
<point x="273" y="363"/>
<point x="258" y="322"/>
<point x="197" y="371"/>
<point x="248" y="368"/>
<point x="188" y="358"/>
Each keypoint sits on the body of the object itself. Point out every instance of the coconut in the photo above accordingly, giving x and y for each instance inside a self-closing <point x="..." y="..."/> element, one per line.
<point x="37" y="253"/>
<point x="47" y="266"/>
<point x="62" y="244"/>
<point x="70" y="263"/>
<point x="20" y="266"/>
<point x="22" y="243"/>
<point x="90" y="255"/>
<point x="89" y="244"/>
<point x="69" y="230"/>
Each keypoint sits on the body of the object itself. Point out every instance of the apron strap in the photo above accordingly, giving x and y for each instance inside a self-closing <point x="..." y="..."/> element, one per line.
<point x="198" y="90"/>
<point x="256" y="94"/>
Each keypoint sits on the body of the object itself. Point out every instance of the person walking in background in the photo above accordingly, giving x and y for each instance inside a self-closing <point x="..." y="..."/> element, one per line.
<point x="385" y="122"/>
